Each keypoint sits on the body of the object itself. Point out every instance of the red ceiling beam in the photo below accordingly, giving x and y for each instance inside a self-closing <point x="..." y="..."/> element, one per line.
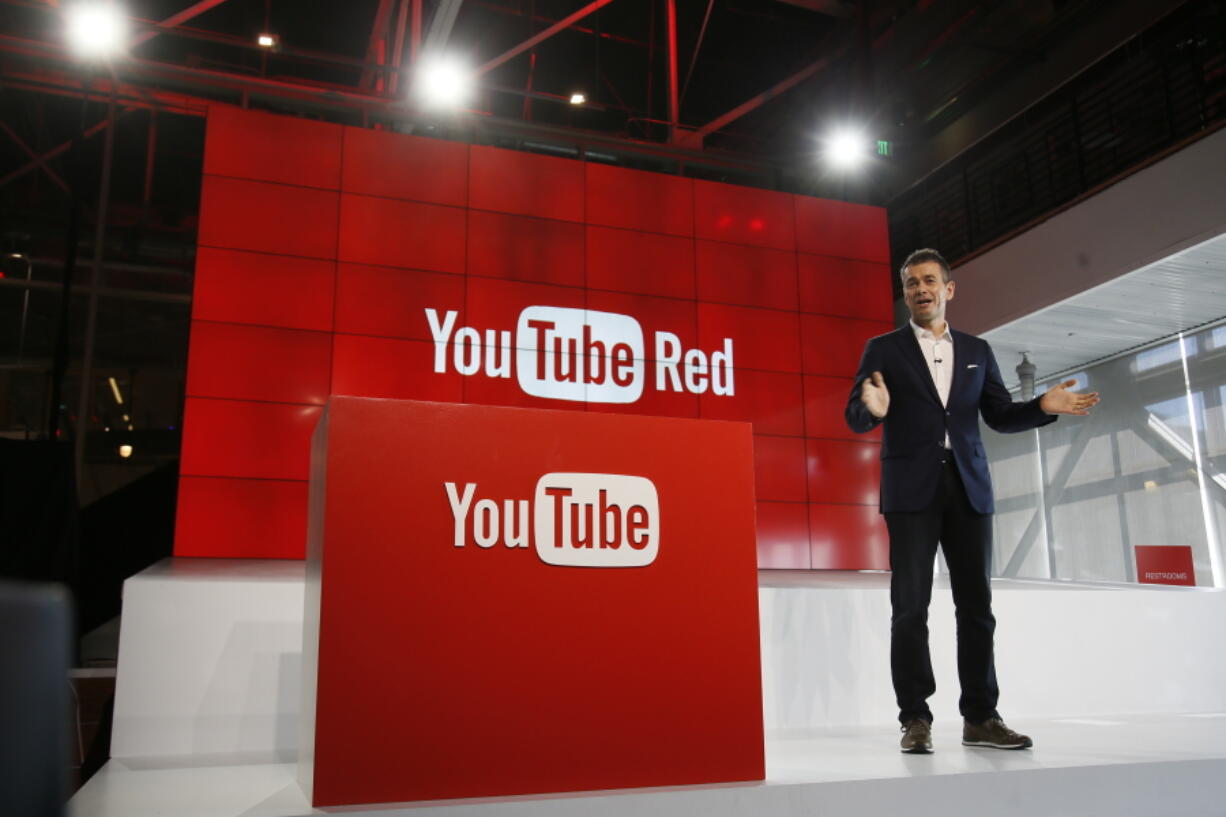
<point x="58" y="84"/>
<point x="149" y="70"/>
<point x="56" y="151"/>
<point x="132" y="97"/>
<point x="561" y="25"/>
<point x="415" y="33"/>
<point x="674" y="114"/>
<point x="376" y="50"/>
<point x="402" y="21"/>
<point x="175" y="20"/>
<point x="539" y="18"/>
<point x="695" y="138"/>
<point x="39" y="161"/>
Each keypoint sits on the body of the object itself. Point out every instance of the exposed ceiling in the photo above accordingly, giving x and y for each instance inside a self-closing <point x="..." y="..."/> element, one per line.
<point x="755" y="81"/>
<point x="1182" y="291"/>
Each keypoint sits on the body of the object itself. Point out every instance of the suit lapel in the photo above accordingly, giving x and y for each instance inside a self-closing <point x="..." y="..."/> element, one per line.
<point x="915" y="356"/>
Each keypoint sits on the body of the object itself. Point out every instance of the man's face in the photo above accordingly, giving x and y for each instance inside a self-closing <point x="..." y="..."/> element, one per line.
<point x="926" y="292"/>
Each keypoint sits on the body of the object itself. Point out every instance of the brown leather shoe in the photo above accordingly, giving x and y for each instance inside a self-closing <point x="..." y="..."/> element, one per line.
<point x="917" y="737"/>
<point x="994" y="734"/>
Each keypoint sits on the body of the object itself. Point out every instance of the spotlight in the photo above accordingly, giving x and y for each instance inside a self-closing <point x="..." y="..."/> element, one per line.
<point x="125" y="451"/>
<point x="444" y="83"/>
<point x="96" y="30"/>
<point x="577" y="99"/>
<point x="266" y="41"/>
<point x="846" y="148"/>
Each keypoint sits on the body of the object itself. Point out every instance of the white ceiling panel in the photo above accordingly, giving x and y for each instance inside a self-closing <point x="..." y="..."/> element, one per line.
<point x="1179" y="292"/>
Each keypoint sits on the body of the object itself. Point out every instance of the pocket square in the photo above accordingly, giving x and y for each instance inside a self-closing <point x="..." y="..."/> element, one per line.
<point x="972" y="365"/>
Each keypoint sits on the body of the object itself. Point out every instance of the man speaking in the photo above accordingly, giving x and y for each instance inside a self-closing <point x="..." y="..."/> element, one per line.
<point x="928" y="385"/>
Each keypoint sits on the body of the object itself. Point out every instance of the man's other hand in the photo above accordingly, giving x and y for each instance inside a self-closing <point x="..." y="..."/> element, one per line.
<point x="1059" y="400"/>
<point x="875" y="396"/>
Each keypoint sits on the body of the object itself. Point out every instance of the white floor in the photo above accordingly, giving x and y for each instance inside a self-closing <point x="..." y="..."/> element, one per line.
<point x="1128" y="766"/>
<point x="210" y="681"/>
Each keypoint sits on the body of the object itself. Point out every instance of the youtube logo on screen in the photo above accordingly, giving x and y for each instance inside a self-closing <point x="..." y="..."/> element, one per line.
<point x="573" y="520"/>
<point x="579" y="354"/>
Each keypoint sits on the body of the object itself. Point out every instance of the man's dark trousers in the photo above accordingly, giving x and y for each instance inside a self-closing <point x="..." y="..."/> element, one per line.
<point x="966" y="540"/>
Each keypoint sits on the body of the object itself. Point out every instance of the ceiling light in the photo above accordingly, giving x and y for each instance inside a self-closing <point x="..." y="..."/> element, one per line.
<point x="444" y="83"/>
<point x="96" y="30"/>
<point x="115" y="390"/>
<point x="577" y="99"/>
<point x="125" y="451"/>
<point x="266" y="41"/>
<point x="846" y="148"/>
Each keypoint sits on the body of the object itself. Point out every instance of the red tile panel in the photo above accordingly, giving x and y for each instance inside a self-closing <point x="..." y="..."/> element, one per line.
<point x="746" y="276"/>
<point x="743" y="215"/>
<point x="843" y="471"/>
<point x="846" y="287"/>
<point x="399" y="166"/>
<point x="521" y="248"/>
<point x="235" y="438"/>
<point x="632" y="261"/>
<point x="654" y="315"/>
<point x="833" y="346"/>
<point x="398" y="369"/>
<point x="495" y="304"/>
<point x="262" y="289"/>
<point x="848" y="537"/>
<point x="638" y="200"/>
<point x="761" y="338"/>
<point x="654" y="403"/>
<point x="244" y="215"/>
<point x="701" y="260"/>
<point x="266" y="147"/>
<point x="258" y="363"/>
<point x="496" y="391"/>
<point x="779" y="468"/>
<point x="825" y="402"/>
<point x="825" y="227"/>
<point x="509" y="181"/>
<point x="394" y="233"/>
<point x="227" y="518"/>
<point x="783" y="535"/>
<point x="393" y="302"/>
<point x="769" y="400"/>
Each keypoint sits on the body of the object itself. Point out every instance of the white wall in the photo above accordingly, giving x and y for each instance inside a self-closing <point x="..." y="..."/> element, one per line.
<point x="1167" y="207"/>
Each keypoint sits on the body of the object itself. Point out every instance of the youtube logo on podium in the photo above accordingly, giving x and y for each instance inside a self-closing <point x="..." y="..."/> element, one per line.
<point x="511" y="601"/>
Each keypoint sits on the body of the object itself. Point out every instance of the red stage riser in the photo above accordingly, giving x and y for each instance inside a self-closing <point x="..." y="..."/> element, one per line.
<point x="322" y="247"/>
<point x="514" y="602"/>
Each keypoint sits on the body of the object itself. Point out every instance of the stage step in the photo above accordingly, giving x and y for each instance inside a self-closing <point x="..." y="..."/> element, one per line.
<point x="1128" y="766"/>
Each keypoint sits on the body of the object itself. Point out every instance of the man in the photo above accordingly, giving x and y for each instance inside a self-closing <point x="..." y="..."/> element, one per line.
<point x="928" y="385"/>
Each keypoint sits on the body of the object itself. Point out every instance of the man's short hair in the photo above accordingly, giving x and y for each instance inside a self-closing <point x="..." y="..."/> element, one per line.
<point x="925" y="256"/>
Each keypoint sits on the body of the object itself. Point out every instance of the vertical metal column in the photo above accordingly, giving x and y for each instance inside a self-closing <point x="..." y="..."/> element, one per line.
<point x="95" y="281"/>
<point x="673" y="113"/>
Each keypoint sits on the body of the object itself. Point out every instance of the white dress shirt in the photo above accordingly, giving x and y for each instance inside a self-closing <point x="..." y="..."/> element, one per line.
<point x="939" y="355"/>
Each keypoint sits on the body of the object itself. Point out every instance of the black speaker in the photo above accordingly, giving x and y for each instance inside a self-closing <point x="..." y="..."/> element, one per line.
<point x="35" y="709"/>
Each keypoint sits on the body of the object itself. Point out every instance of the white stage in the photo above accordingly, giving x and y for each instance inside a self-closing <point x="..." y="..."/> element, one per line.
<point x="208" y="692"/>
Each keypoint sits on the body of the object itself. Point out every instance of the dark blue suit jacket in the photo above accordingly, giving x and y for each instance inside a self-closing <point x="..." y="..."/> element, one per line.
<point x="916" y="424"/>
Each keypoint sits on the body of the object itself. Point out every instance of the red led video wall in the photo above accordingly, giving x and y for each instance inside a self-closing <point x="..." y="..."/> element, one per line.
<point x="339" y="260"/>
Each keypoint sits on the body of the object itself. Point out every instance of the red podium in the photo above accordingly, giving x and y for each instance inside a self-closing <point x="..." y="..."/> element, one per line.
<point x="508" y="601"/>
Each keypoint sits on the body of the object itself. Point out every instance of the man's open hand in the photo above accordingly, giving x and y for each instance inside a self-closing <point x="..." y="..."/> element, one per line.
<point x="875" y="396"/>
<point x="1059" y="400"/>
